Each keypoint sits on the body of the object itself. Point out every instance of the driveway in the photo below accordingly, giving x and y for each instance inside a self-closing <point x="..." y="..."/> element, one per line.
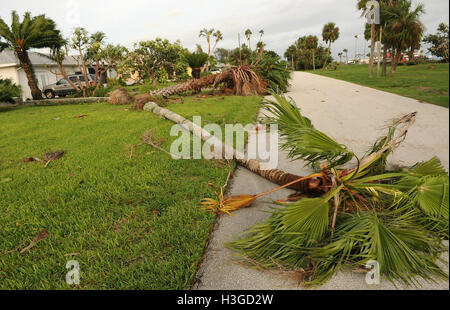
<point x="355" y="116"/>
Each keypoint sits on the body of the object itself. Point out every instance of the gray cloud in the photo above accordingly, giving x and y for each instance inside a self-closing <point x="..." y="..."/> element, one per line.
<point x="283" y="21"/>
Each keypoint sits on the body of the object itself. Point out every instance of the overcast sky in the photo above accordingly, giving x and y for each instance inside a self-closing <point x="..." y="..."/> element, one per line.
<point x="282" y="20"/>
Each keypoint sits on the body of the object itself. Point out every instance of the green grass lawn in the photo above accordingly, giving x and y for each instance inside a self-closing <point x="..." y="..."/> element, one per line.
<point x="131" y="222"/>
<point x="428" y="83"/>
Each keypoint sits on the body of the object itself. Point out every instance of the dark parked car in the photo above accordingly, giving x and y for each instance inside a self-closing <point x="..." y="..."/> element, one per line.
<point x="62" y="88"/>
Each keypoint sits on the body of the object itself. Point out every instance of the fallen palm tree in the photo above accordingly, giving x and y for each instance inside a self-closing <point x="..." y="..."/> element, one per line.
<point x="274" y="175"/>
<point x="239" y="80"/>
<point x="397" y="218"/>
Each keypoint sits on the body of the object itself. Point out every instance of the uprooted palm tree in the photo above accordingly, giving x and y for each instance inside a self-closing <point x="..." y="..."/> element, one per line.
<point x="31" y="32"/>
<point x="239" y="80"/>
<point x="352" y="216"/>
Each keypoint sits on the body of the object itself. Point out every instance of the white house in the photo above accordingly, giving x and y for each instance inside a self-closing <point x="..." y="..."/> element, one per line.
<point x="10" y="69"/>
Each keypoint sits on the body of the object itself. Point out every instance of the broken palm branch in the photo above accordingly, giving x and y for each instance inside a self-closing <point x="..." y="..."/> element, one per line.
<point x="397" y="218"/>
<point x="239" y="80"/>
<point x="274" y="175"/>
<point x="47" y="157"/>
<point x="42" y="235"/>
<point x="227" y="205"/>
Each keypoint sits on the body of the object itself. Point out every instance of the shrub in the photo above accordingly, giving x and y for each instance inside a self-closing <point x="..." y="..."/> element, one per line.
<point x="8" y="90"/>
<point x="196" y="61"/>
<point x="332" y="66"/>
<point x="274" y="71"/>
<point x="115" y="83"/>
<point x="146" y="87"/>
<point x="103" y="91"/>
<point x="91" y="92"/>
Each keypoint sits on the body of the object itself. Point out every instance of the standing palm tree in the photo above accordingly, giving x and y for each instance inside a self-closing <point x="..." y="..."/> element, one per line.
<point x="346" y="55"/>
<point x="261" y="33"/>
<point x="330" y="34"/>
<point x="207" y="33"/>
<point x="340" y="57"/>
<point x="248" y="33"/>
<point x="32" y="32"/>
<point x="311" y="44"/>
<point x="219" y="36"/>
<point x="290" y="55"/>
<point x="405" y="29"/>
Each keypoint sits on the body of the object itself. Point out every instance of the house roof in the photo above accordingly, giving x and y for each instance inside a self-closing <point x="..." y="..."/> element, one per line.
<point x="8" y="57"/>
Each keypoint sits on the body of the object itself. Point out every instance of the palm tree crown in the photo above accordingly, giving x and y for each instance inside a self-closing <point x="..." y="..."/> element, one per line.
<point x="330" y="32"/>
<point x="31" y="32"/>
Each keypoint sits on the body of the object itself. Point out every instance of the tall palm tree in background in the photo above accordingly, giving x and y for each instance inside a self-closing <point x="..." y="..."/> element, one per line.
<point x="207" y="33"/>
<point x="32" y="32"/>
<point x="311" y="44"/>
<point x="261" y="33"/>
<point x="248" y="34"/>
<point x="290" y="55"/>
<point x="346" y="55"/>
<point x="405" y="29"/>
<point x="340" y="57"/>
<point x="219" y="37"/>
<point x="330" y="34"/>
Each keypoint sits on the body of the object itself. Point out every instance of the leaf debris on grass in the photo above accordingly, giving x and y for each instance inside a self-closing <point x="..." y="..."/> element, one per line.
<point x="42" y="235"/>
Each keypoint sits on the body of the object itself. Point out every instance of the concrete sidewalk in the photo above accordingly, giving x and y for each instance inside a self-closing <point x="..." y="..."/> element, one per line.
<point x="354" y="115"/>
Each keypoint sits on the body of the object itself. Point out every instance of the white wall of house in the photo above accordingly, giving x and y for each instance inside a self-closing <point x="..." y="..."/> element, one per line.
<point x="10" y="73"/>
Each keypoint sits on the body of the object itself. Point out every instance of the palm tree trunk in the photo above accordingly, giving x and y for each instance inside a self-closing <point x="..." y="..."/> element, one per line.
<point x="326" y="59"/>
<point x="274" y="175"/>
<point x="396" y="59"/>
<point x="314" y="59"/>
<point x="243" y="81"/>
<point x="29" y="71"/>
<point x="384" y="71"/>
<point x="372" y="49"/>
<point x="379" y="51"/>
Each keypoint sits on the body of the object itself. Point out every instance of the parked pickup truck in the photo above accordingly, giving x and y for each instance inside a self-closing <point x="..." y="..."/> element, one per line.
<point x="62" y="88"/>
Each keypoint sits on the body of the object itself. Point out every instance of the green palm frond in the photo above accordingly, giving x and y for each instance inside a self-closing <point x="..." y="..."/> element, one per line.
<point x="301" y="139"/>
<point x="316" y="147"/>
<point x="401" y="248"/>
<point x="430" y="167"/>
<point x="310" y="216"/>
<point x="196" y="60"/>
<point x="432" y="196"/>
<point x="300" y="224"/>
<point x="31" y="32"/>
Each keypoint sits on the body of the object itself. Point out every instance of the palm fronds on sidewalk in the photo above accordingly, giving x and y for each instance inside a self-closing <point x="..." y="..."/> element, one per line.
<point x="397" y="218"/>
